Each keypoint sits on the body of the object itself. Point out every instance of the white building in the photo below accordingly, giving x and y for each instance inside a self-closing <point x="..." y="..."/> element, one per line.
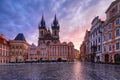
<point x="95" y="40"/>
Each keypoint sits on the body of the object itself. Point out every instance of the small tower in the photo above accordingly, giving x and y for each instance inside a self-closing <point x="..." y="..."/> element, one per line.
<point x="42" y="30"/>
<point x="55" y="29"/>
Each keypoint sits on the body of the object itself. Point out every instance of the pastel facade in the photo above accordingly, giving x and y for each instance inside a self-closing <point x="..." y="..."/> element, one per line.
<point x="111" y="34"/>
<point x="18" y="49"/>
<point x="104" y="37"/>
<point x="95" y="40"/>
<point x="33" y="53"/>
<point x="4" y="50"/>
<point x="61" y="51"/>
<point x="49" y="46"/>
<point x="84" y="49"/>
<point x="77" y="54"/>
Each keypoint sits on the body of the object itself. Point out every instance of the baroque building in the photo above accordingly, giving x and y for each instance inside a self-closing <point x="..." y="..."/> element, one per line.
<point x="4" y="50"/>
<point x="32" y="53"/>
<point x="84" y="48"/>
<point x="111" y="34"/>
<point x="104" y="37"/>
<point x="95" y="40"/>
<point x="18" y="49"/>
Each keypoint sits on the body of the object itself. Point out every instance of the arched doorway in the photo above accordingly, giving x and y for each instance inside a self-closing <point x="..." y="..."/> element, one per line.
<point x="106" y="58"/>
<point x="117" y="58"/>
<point x="59" y="59"/>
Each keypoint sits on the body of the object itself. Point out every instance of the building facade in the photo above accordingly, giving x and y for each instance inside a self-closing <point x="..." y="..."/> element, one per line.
<point x="84" y="48"/>
<point x="82" y="51"/>
<point x="49" y="46"/>
<point x="18" y="49"/>
<point x="61" y="51"/>
<point x="77" y="54"/>
<point x="86" y="42"/>
<point x="32" y="53"/>
<point x="111" y="34"/>
<point x="4" y="50"/>
<point x="96" y="40"/>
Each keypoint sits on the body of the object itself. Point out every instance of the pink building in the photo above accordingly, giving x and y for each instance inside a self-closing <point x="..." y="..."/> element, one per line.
<point x="4" y="50"/>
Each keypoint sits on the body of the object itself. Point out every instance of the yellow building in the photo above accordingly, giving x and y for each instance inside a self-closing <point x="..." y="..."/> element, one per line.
<point x="77" y="54"/>
<point x="18" y="49"/>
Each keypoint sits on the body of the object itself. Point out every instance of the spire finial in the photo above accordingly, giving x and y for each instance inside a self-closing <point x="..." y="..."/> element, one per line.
<point x="42" y="21"/>
<point x="55" y="17"/>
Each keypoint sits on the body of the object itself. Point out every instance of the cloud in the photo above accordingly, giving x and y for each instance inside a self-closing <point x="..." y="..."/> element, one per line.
<point x="74" y="17"/>
<point x="80" y="19"/>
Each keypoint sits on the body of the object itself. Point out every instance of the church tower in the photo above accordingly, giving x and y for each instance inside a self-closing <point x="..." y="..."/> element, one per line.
<point x="55" y="29"/>
<point x="42" y="31"/>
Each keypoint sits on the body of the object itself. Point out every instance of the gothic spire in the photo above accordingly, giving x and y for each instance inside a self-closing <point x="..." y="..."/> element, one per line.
<point x="42" y="22"/>
<point x="55" y="22"/>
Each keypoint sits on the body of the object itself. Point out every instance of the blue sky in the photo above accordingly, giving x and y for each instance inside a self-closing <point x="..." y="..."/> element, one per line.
<point x="74" y="16"/>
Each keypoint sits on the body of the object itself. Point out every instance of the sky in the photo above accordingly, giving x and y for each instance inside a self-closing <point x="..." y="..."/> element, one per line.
<point x="74" y="16"/>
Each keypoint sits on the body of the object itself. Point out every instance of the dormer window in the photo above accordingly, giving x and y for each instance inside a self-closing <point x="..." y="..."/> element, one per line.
<point x="113" y="10"/>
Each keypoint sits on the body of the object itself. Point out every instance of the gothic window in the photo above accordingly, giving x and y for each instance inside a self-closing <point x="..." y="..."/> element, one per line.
<point x="55" y="32"/>
<point x="41" y="33"/>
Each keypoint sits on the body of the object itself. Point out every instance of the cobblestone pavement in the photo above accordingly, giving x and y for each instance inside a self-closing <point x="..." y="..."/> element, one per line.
<point x="60" y="71"/>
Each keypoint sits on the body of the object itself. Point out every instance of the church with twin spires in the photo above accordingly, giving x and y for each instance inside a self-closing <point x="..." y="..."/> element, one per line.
<point x="49" y="46"/>
<point x="45" y="35"/>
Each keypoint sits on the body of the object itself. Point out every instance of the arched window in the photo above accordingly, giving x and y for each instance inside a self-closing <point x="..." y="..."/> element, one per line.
<point x="55" y="32"/>
<point x="41" y="33"/>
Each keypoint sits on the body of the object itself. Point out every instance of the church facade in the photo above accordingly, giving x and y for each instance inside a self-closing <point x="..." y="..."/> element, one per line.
<point x="49" y="46"/>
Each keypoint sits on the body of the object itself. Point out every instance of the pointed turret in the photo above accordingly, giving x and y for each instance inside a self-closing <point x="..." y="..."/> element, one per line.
<point x="55" y="29"/>
<point x="42" y="30"/>
<point x="42" y="24"/>
<point x="55" y="23"/>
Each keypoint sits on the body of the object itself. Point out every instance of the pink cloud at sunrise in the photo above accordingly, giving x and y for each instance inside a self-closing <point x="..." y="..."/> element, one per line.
<point x="74" y="17"/>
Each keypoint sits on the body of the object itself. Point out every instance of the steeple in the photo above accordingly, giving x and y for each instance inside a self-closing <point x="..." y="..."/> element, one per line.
<point x="55" y="23"/>
<point x="42" y="25"/>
